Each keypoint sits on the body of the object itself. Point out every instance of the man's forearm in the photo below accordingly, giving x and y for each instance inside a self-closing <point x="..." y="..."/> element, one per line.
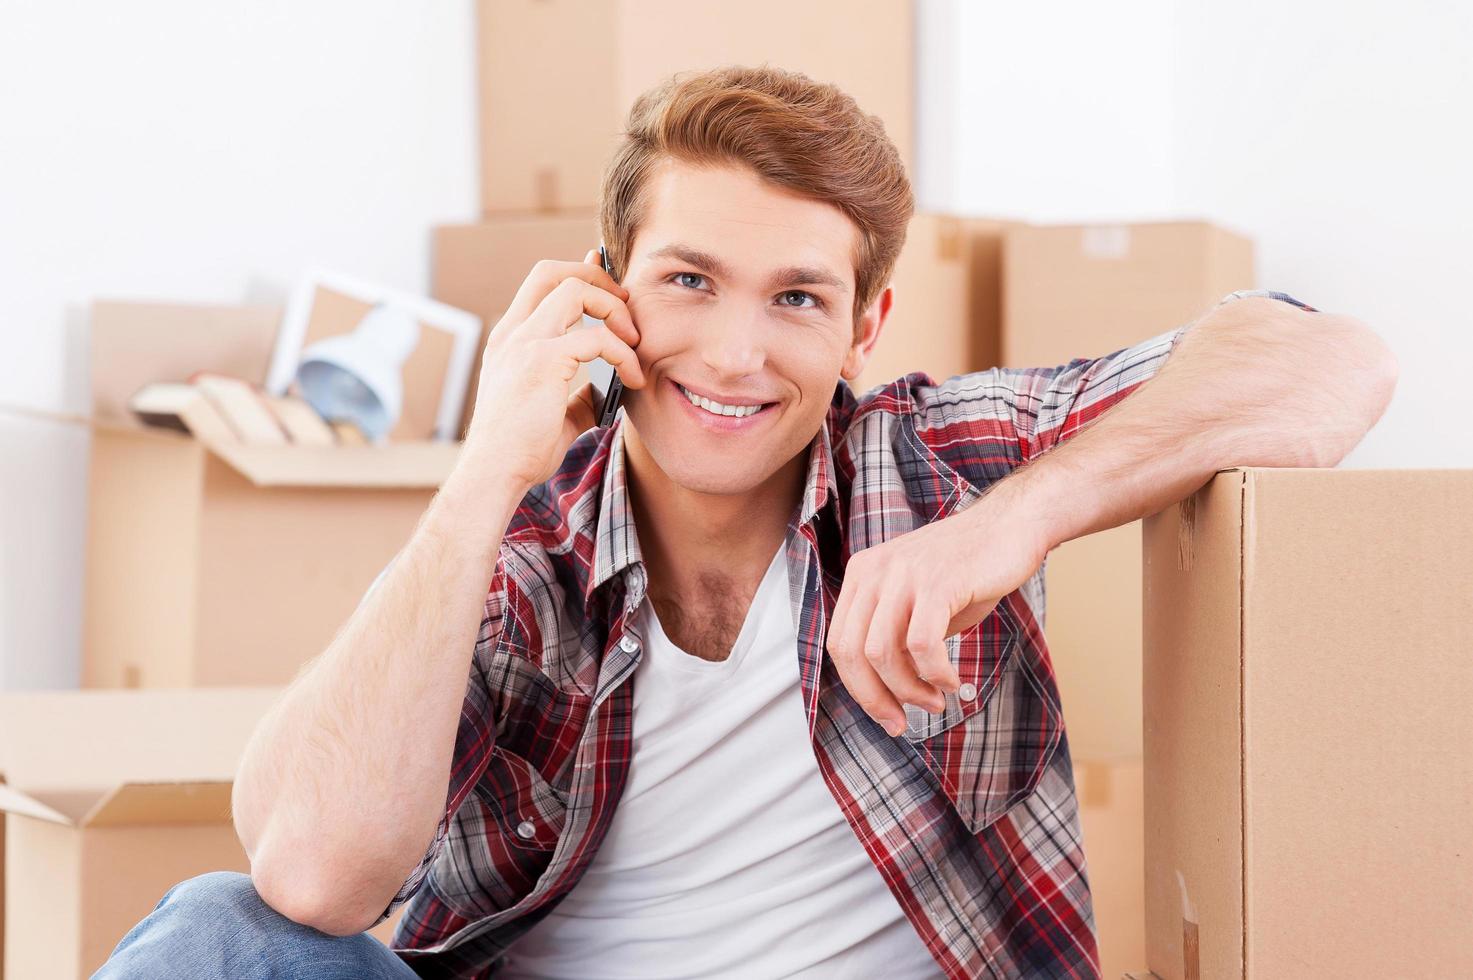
<point x="1256" y="382"/>
<point x="343" y="783"/>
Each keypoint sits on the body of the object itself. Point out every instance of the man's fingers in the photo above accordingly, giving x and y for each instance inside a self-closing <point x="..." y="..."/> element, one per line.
<point x="926" y="641"/>
<point x="885" y="650"/>
<point x="548" y="274"/>
<point x="562" y="309"/>
<point x="868" y="690"/>
<point x="587" y="343"/>
<point x="859" y="676"/>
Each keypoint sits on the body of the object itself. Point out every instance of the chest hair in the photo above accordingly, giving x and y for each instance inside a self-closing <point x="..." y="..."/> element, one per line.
<point x="706" y="625"/>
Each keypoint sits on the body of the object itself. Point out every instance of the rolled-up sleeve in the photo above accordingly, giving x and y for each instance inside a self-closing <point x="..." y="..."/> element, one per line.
<point x="986" y="423"/>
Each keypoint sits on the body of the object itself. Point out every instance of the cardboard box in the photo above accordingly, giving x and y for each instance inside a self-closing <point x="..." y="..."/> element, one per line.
<point x="209" y="563"/>
<point x="1308" y="675"/>
<point x="1074" y="291"/>
<point x="948" y="303"/>
<point x="1112" y="818"/>
<point x="1086" y="290"/>
<point x="549" y="151"/>
<point x="109" y="799"/>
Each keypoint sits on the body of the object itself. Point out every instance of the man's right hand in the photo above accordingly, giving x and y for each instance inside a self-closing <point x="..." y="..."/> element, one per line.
<point x="524" y="419"/>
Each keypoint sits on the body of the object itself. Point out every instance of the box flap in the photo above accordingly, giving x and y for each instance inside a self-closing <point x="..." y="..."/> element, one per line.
<point x="135" y="343"/>
<point x="54" y="744"/>
<point x="14" y="801"/>
<point x="162" y="803"/>
<point x="395" y="465"/>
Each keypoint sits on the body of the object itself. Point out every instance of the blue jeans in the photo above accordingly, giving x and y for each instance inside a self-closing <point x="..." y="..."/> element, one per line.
<point x="216" y="926"/>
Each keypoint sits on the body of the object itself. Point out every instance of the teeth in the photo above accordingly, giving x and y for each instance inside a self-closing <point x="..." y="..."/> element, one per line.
<point x="716" y="408"/>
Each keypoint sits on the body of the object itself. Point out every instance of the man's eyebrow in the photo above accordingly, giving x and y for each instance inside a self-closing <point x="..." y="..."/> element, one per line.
<point x="797" y="275"/>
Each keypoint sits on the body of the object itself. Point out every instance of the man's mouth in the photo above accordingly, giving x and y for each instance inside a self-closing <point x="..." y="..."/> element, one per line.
<point x="736" y="414"/>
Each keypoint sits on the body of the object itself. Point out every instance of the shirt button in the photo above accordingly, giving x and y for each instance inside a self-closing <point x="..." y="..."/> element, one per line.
<point x="526" y="829"/>
<point x="628" y="644"/>
<point x="966" y="692"/>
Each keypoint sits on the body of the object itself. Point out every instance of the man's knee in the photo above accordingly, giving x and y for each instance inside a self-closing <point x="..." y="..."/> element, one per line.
<point x="217" y="896"/>
<point x="217" y="925"/>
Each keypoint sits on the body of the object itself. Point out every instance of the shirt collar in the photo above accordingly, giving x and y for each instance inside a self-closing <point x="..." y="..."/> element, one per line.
<point x="615" y="542"/>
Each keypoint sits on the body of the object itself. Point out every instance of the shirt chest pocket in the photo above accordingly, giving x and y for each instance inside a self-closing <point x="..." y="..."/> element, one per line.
<point x="529" y="812"/>
<point x="989" y="749"/>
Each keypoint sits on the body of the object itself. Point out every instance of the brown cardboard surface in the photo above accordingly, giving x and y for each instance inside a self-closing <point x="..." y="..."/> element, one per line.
<point x="1072" y="291"/>
<point x="1085" y="290"/>
<point x="134" y="344"/>
<point x="161" y="764"/>
<point x="186" y="556"/>
<point x="217" y="563"/>
<point x="549" y="152"/>
<point x="1111" y="817"/>
<point x="947" y="306"/>
<point x="479" y="267"/>
<point x="1306" y="689"/>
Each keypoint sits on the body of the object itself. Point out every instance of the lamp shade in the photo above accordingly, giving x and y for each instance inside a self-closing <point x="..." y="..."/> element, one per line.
<point x="358" y="377"/>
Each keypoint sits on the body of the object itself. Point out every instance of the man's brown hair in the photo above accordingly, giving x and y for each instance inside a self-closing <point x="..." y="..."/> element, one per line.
<point x="805" y="136"/>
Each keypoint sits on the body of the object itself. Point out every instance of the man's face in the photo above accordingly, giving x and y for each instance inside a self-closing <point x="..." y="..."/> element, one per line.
<point x="743" y="293"/>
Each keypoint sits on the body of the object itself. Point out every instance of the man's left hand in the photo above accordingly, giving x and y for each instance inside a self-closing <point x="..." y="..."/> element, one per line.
<point x="901" y="599"/>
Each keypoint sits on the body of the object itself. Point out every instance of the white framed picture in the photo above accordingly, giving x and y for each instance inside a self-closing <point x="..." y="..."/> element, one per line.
<point x="464" y="328"/>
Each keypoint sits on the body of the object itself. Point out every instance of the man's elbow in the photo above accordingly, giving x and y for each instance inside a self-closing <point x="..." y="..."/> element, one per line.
<point x="313" y="897"/>
<point x="1380" y="370"/>
<point x="1371" y="379"/>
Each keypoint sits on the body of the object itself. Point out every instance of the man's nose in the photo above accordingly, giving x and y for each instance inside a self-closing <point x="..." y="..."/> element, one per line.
<point x="732" y="346"/>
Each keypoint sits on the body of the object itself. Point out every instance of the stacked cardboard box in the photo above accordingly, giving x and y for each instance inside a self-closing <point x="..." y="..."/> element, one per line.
<point x="1073" y="291"/>
<point x="1308" y="743"/>
<point x="109" y="799"/>
<point x="548" y="123"/>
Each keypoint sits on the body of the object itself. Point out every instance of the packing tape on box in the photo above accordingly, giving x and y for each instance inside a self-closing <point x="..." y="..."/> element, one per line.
<point x="545" y="189"/>
<point x="1096" y="784"/>
<point x="1186" y="528"/>
<point x="1191" y="954"/>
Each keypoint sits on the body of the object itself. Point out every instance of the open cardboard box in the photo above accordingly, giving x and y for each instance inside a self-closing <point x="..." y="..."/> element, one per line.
<point x="209" y="563"/>
<point x="1308" y="733"/>
<point x="107" y="800"/>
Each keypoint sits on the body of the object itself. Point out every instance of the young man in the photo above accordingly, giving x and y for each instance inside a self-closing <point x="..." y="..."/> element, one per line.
<point x="757" y="684"/>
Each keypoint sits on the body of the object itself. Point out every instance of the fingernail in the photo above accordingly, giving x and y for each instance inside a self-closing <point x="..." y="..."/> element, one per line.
<point x="894" y="727"/>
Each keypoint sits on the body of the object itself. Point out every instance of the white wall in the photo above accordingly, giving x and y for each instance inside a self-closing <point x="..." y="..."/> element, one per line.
<point x="1060" y="111"/>
<point x="1332" y="134"/>
<point x="210" y="152"/>
<point x="191" y="151"/>
<point x="1328" y="133"/>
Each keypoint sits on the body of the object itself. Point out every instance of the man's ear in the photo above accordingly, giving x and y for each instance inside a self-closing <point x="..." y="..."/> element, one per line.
<point x="867" y="333"/>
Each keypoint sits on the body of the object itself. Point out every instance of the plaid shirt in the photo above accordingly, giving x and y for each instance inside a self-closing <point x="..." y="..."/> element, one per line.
<point x="970" y="815"/>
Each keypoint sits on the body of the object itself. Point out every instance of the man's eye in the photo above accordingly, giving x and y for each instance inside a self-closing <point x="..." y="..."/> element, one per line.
<point x="799" y="292"/>
<point x="681" y="275"/>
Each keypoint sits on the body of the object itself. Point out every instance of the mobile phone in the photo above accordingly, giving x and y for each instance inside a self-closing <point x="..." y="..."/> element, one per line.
<point x="608" y="390"/>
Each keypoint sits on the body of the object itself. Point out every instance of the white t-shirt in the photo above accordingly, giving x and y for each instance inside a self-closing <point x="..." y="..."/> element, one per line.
<point x="727" y="855"/>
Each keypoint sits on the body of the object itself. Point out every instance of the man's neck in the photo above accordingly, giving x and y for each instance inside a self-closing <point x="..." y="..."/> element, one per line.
<point x="687" y="537"/>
